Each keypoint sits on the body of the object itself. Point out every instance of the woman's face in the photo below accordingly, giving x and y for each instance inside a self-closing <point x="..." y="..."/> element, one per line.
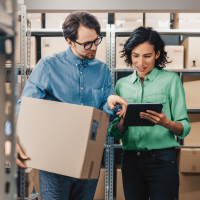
<point x="143" y="59"/>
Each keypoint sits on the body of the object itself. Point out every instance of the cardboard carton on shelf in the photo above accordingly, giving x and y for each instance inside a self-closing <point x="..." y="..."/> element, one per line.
<point x="102" y="18"/>
<point x="80" y="147"/>
<point x="51" y="45"/>
<point x="100" y="190"/>
<point x="120" y="41"/>
<point x="194" y="136"/>
<point x="36" y="20"/>
<point x="158" y="20"/>
<point x="119" y="186"/>
<point x="191" y="86"/>
<point x="186" y="21"/>
<point x="101" y="50"/>
<point x="191" y="55"/>
<point x="128" y="20"/>
<point x="175" y="55"/>
<point x="29" y="182"/>
<point x="189" y="173"/>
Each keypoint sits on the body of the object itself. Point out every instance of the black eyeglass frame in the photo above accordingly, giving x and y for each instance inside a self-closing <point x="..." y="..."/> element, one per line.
<point x="91" y="43"/>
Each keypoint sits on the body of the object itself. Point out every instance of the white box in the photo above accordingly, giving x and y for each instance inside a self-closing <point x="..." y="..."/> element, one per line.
<point x="55" y="20"/>
<point x="186" y="21"/>
<point x="101" y="50"/>
<point x="36" y="20"/>
<point x="119" y="47"/>
<point x="175" y="54"/>
<point x="158" y="20"/>
<point x="51" y="45"/>
<point x="128" y="20"/>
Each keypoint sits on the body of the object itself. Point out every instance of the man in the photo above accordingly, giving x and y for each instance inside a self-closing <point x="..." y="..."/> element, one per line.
<point x="73" y="76"/>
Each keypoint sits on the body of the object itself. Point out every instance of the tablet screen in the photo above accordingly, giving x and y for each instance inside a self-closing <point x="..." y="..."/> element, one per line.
<point x="132" y="117"/>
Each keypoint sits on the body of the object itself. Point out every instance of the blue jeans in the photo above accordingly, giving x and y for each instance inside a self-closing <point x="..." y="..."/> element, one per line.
<point x="58" y="187"/>
<point x="151" y="174"/>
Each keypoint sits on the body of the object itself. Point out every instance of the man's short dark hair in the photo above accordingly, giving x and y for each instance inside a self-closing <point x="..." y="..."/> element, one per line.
<point x="141" y="35"/>
<point x="73" y="21"/>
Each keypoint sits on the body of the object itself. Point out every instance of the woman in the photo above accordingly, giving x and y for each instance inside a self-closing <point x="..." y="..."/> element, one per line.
<point x="149" y="167"/>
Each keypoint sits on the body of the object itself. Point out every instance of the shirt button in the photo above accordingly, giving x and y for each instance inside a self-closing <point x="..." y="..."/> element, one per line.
<point x="76" y="64"/>
<point x="86" y="65"/>
<point x="82" y="88"/>
<point x="138" y="153"/>
<point x="81" y="72"/>
<point x="82" y="104"/>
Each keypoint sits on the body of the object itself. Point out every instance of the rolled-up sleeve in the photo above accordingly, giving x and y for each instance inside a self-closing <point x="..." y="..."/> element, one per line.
<point x="178" y="106"/>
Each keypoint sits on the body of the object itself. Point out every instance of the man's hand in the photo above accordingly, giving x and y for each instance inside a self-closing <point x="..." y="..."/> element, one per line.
<point x="114" y="100"/>
<point x="21" y="155"/>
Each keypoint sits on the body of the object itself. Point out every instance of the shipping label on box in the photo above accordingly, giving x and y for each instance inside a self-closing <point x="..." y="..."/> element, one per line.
<point x="64" y="128"/>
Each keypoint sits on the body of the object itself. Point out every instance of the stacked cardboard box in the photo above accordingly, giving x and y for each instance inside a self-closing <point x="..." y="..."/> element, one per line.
<point x="175" y="55"/>
<point x="120" y="41"/>
<point x="53" y="119"/>
<point x="186" y="21"/>
<point x="119" y="185"/>
<point x="189" y="172"/>
<point x="157" y="20"/>
<point x="101" y="51"/>
<point x="128" y="20"/>
<point x="191" y="52"/>
<point x="36" y="20"/>
<point x="29" y="182"/>
<point x="51" y="45"/>
<point x="55" y="20"/>
<point x="191" y="86"/>
<point x="193" y="139"/>
<point x="100" y="190"/>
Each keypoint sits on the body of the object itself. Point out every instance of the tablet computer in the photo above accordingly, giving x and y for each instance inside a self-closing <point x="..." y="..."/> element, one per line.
<point x="132" y="117"/>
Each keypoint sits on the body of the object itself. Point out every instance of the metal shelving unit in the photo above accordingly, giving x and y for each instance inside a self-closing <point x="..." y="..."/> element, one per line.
<point x="7" y="137"/>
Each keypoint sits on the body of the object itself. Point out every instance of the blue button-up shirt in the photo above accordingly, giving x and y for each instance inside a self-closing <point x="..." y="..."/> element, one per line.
<point x="66" y="78"/>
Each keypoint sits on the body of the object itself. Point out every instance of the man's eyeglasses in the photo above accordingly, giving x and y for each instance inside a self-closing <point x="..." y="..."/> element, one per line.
<point x="88" y="45"/>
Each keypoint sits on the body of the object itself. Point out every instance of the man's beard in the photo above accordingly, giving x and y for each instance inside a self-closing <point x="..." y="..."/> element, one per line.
<point x="88" y="56"/>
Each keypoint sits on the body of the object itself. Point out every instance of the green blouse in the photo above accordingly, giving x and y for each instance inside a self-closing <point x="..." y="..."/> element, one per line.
<point x="160" y="86"/>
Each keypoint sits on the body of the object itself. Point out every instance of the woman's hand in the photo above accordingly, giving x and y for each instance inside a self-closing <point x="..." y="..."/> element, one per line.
<point x="154" y="117"/>
<point x="162" y="120"/>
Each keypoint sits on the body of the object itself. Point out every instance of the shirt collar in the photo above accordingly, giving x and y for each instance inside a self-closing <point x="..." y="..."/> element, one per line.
<point x="74" y="59"/>
<point x="151" y="76"/>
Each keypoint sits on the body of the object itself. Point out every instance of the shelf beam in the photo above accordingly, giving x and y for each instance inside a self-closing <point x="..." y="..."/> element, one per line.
<point x="111" y="6"/>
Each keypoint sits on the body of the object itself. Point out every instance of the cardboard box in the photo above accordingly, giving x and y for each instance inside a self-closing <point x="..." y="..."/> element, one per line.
<point x="36" y="20"/>
<point x="189" y="160"/>
<point x="51" y="45"/>
<point x="191" y="52"/>
<point x="77" y="132"/>
<point x="194" y="137"/>
<point x="128" y="20"/>
<point x="120" y="41"/>
<point x="29" y="182"/>
<point x="101" y="51"/>
<point x="119" y="186"/>
<point x="191" y="86"/>
<point x="36" y="182"/>
<point x="55" y="20"/>
<point x="175" y="54"/>
<point x="186" y="21"/>
<point x="100" y="190"/>
<point x="189" y="188"/>
<point x="158" y="20"/>
<point x="102" y="18"/>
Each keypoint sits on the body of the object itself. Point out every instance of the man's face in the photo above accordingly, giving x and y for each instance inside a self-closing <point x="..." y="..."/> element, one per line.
<point x="85" y="35"/>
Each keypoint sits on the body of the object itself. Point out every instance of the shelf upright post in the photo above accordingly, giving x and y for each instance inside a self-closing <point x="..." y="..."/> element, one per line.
<point x="107" y="149"/>
<point x="23" y="46"/>
<point x="8" y="174"/>
<point x="28" y="44"/>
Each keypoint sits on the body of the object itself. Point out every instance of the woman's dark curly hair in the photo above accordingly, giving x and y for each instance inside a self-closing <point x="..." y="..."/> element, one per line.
<point x="141" y="35"/>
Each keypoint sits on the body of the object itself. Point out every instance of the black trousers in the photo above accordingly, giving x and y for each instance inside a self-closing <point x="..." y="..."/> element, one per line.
<point x="151" y="174"/>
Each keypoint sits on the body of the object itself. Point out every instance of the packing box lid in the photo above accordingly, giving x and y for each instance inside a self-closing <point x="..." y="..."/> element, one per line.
<point x="62" y="138"/>
<point x="189" y="160"/>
